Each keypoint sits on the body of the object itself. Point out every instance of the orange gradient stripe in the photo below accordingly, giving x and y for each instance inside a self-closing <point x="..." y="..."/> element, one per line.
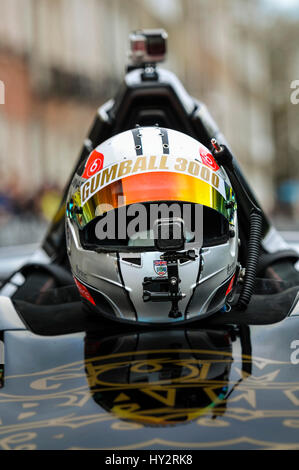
<point x="151" y="187"/>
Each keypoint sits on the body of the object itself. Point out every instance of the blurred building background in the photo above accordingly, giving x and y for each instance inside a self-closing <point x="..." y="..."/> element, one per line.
<point x="61" y="59"/>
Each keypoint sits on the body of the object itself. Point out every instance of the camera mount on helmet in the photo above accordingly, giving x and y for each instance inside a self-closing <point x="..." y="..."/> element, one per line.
<point x="170" y="239"/>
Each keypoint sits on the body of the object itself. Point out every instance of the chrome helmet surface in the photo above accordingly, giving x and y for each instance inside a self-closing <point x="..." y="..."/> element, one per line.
<point x="151" y="229"/>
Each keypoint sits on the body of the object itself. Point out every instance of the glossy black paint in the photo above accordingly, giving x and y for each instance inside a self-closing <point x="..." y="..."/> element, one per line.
<point x="224" y="388"/>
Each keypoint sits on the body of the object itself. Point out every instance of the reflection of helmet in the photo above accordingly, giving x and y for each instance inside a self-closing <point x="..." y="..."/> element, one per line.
<point x="160" y="378"/>
<point x="151" y="217"/>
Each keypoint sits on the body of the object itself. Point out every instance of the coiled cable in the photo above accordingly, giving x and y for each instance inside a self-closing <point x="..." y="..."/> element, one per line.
<point x="254" y="246"/>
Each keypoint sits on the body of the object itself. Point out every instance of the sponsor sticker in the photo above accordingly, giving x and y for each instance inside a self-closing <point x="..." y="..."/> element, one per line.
<point x="208" y="160"/>
<point x="94" y="164"/>
<point x="144" y="164"/>
<point x="160" y="267"/>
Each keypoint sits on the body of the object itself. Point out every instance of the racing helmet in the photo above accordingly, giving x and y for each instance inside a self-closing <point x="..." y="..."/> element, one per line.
<point x="151" y="228"/>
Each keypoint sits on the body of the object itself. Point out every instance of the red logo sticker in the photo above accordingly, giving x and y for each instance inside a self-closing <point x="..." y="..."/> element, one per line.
<point x="93" y="165"/>
<point x="84" y="292"/>
<point x="208" y="160"/>
<point x="230" y="286"/>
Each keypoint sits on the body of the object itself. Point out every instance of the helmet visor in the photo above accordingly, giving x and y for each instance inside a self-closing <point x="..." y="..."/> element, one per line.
<point x="150" y="187"/>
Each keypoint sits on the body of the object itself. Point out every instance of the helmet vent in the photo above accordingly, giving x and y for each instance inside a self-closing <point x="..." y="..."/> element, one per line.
<point x="136" y="261"/>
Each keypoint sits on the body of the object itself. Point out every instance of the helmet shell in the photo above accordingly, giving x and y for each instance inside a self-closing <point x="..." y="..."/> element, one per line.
<point x="151" y="164"/>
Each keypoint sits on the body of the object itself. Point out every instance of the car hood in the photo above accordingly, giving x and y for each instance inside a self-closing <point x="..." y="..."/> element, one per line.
<point x="224" y="387"/>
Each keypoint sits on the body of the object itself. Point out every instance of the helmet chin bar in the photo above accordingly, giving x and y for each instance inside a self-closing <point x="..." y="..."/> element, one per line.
<point x="167" y="289"/>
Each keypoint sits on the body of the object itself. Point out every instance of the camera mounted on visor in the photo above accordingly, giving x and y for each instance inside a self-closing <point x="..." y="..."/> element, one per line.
<point x="169" y="236"/>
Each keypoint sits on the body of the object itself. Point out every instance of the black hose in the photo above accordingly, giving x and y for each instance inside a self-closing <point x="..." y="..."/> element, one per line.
<point x="254" y="245"/>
